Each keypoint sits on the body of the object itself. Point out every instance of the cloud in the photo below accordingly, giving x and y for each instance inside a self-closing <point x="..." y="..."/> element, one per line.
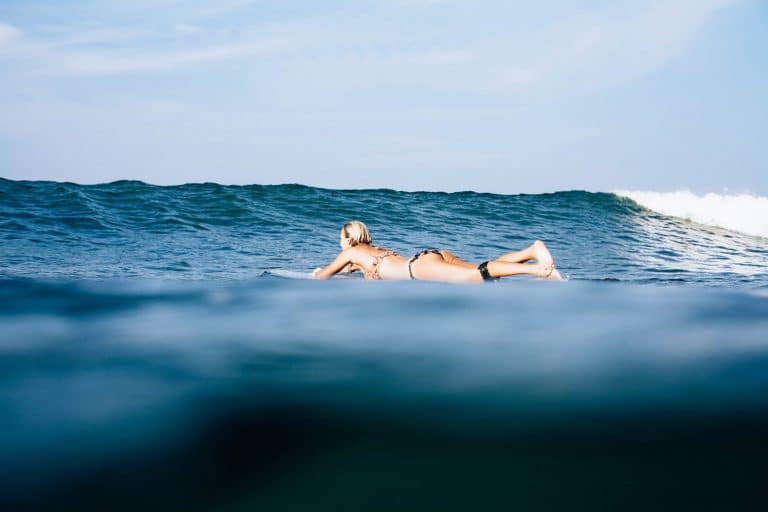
<point x="611" y="50"/>
<point x="185" y="28"/>
<point x="417" y="3"/>
<point x="102" y="51"/>
<point x="98" y="36"/>
<point x="8" y="34"/>
<point x="591" y="50"/>
<point x="582" y="51"/>
<point x="567" y="55"/>
<point x="133" y="61"/>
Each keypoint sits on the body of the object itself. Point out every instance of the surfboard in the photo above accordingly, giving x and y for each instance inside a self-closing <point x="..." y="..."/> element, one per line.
<point x="293" y="274"/>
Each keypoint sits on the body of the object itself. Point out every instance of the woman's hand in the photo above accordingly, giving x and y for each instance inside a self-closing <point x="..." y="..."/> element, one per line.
<point x="341" y="261"/>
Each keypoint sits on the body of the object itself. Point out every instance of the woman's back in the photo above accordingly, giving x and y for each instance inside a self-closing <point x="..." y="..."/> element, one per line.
<point x="379" y="263"/>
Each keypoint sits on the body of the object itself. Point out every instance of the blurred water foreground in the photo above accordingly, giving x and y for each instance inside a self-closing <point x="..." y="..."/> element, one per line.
<point x="279" y="394"/>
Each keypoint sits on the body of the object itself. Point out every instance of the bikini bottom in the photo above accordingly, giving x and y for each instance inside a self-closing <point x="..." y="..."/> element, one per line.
<point x="419" y="255"/>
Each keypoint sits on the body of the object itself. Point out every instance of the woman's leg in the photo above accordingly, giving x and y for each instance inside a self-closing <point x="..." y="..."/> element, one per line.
<point x="451" y="258"/>
<point x="504" y="269"/>
<point x="509" y="264"/>
<point x="520" y="256"/>
<point x="537" y="251"/>
<point x="432" y="268"/>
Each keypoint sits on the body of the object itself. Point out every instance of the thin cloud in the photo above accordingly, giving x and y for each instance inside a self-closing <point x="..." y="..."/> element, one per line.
<point x="97" y="52"/>
<point x="582" y="52"/>
<point x="8" y="33"/>
<point x="184" y="28"/>
<point x="99" y="36"/>
<point x="132" y="61"/>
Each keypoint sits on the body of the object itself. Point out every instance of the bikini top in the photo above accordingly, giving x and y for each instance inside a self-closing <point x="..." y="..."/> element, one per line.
<point x="374" y="273"/>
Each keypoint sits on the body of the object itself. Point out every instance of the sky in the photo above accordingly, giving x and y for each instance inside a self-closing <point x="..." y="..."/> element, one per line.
<point x="494" y="96"/>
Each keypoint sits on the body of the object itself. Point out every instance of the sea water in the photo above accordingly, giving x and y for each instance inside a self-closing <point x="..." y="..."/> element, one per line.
<point x="160" y="347"/>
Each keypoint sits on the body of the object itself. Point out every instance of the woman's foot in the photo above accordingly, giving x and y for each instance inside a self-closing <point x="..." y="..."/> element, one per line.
<point x="542" y="254"/>
<point x="554" y="275"/>
<point x="545" y="262"/>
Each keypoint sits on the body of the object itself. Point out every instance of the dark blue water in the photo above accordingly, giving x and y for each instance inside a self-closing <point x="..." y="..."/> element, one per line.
<point x="153" y="354"/>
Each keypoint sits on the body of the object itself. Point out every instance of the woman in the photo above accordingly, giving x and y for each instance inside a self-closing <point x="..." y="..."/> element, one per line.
<point x="358" y="253"/>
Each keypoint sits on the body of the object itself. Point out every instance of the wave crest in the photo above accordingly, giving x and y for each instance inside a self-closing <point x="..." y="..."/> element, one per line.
<point x="745" y="213"/>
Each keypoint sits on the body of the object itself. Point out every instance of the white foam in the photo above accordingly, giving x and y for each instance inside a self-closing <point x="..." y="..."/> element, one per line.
<point x="743" y="212"/>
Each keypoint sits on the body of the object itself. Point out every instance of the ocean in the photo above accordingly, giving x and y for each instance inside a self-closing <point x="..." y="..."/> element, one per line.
<point x="163" y="347"/>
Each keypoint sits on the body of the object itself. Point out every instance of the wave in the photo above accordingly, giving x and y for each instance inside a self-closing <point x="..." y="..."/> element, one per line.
<point x="131" y="229"/>
<point x="745" y="213"/>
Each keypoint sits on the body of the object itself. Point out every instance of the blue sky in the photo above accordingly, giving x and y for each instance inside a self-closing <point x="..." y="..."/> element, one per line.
<point x="499" y="96"/>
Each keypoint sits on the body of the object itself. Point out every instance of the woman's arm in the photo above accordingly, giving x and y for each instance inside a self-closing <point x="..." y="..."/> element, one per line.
<point x="341" y="261"/>
<point x="349" y="268"/>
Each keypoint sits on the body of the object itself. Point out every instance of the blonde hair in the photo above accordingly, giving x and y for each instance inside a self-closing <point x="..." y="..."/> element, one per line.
<point x="357" y="232"/>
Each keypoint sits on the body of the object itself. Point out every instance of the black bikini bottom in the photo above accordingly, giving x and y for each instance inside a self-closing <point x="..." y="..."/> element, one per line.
<point x="487" y="277"/>
<point x="419" y="255"/>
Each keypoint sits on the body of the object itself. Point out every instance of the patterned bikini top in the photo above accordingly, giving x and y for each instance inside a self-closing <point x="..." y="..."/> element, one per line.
<point x="374" y="273"/>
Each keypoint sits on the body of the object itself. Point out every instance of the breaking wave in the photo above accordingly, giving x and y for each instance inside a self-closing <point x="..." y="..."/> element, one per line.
<point x="745" y="213"/>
